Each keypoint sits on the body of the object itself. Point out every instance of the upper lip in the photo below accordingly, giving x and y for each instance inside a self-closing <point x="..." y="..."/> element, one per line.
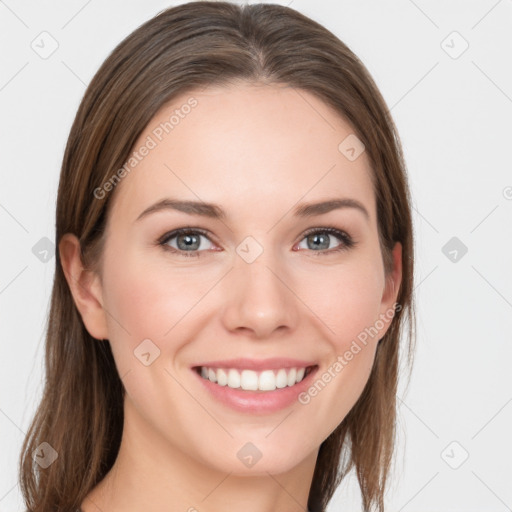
<point x="257" y="364"/>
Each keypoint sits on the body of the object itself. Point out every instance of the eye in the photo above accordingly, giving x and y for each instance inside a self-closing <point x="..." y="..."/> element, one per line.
<point x="318" y="238"/>
<point x="187" y="240"/>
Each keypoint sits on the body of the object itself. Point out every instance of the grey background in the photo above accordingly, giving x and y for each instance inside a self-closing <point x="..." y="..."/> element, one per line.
<point x="452" y="109"/>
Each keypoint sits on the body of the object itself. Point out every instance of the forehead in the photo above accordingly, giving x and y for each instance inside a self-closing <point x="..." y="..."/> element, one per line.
<point x="244" y="147"/>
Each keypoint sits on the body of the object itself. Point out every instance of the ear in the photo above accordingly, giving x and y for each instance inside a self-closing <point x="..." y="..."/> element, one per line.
<point x="391" y="289"/>
<point x="85" y="286"/>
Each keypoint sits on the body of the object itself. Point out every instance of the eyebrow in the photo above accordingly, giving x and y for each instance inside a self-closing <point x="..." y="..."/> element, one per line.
<point x="216" y="212"/>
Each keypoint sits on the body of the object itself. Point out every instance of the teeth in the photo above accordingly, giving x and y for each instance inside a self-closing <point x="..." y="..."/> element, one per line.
<point x="222" y="377"/>
<point x="281" y="379"/>
<point x="292" y="375"/>
<point x="267" y="380"/>
<point x="249" y="380"/>
<point x="233" y="379"/>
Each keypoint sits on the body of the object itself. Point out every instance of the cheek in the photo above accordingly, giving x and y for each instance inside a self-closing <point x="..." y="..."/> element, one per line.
<point x="350" y="309"/>
<point x="346" y="301"/>
<point x="153" y="302"/>
<point x="137" y="294"/>
<point x="133" y="302"/>
<point x="143" y="306"/>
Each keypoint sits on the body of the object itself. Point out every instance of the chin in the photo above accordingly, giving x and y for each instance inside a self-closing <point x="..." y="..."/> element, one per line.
<point x="259" y="458"/>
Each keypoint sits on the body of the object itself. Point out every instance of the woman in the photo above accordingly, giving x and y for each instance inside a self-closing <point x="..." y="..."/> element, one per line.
<point x="234" y="272"/>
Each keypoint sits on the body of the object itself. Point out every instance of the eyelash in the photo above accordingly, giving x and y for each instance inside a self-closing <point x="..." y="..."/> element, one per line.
<point x="347" y="241"/>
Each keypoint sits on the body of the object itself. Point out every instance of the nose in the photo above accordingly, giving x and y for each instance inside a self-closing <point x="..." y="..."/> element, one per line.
<point x="258" y="298"/>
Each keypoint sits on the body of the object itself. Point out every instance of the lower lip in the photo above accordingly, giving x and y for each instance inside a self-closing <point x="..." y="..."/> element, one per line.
<point x="257" y="401"/>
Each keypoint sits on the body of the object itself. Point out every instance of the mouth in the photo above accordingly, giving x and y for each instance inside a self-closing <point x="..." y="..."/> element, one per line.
<point x="262" y="381"/>
<point x="250" y="391"/>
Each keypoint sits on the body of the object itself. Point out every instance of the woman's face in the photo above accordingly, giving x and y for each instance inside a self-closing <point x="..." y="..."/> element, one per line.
<point x="247" y="286"/>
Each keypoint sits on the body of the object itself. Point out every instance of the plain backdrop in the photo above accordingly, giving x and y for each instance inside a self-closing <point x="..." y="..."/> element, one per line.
<point x="444" y="69"/>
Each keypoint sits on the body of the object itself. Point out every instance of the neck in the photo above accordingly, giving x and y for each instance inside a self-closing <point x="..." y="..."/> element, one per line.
<point x="152" y="474"/>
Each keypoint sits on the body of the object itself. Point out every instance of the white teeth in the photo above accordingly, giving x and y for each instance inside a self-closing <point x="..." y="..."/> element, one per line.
<point x="233" y="378"/>
<point x="267" y="381"/>
<point x="250" y="380"/>
<point x="222" y="377"/>
<point x="281" y="379"/>
<point x="292" y="375"/>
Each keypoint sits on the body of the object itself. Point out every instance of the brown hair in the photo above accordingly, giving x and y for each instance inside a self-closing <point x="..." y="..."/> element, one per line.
<point x="183" y="48"/>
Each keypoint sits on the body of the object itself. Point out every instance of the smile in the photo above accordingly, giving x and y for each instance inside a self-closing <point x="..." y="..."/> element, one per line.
<point x="262" y="391"/>
<point x="250" y="380"/>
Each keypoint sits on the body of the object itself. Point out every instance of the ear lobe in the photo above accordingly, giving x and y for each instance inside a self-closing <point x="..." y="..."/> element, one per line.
<point x="394" y="279"/>
<point x="85" y="287"/>
<point x="392" y="287"/>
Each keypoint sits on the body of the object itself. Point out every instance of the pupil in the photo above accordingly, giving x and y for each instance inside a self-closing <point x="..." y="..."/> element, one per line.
<point x="189" y="241"/>
<point x="316" y="237"/>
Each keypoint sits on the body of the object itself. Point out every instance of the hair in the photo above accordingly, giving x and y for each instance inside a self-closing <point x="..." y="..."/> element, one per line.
<point x="182" y="49"/>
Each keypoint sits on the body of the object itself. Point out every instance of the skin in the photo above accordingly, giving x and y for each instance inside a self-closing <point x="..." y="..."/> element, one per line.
<point x="257" y="151"/>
